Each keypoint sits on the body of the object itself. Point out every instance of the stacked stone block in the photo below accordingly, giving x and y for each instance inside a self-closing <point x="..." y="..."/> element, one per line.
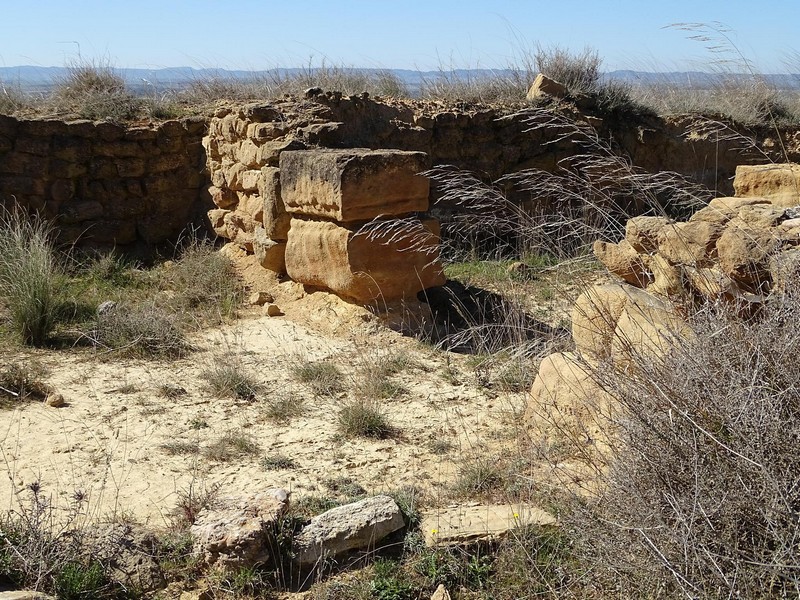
<point x="354" y="228"/>
<point x="344" y="220"/>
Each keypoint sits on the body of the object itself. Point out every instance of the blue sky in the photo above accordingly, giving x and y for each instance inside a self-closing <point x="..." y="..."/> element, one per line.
<point x="411" y="34"/>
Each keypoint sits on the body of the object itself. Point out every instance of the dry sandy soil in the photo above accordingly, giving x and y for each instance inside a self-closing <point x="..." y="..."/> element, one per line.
<point x="115" y="437"/>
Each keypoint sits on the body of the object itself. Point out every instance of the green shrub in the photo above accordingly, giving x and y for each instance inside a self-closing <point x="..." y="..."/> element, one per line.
<point x="226" y="377"/>
<point x="364" y="418"/>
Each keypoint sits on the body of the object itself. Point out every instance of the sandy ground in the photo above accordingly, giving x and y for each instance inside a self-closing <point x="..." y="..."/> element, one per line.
<point x="112" y="439"/>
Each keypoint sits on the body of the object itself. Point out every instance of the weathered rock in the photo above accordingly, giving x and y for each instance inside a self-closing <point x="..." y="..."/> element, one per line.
<point x="237" y="533"/>
<point x="276" y="220"/>
<point x="691" y="243"/>
<point x="778" y="182"/>
<point x="467" y="524"/>
<point x="440" y="593"/>
<point x="396" y="260"/>
<point x="353" y="185"/>
<point x="623" y="261"/>
<point x="710" y="283"/>
<point x="744" y="253"/>
<point x="600" y="331"/>
<point x="642" y="232"/>
<point x="357" y="526"/>
<point x="270" y="254"/>
<point x="544" y="86"/>
<point x="722" y="210"/>
<point x="667" y="278"/>
<point x="272" y="310"/>
<point x="260" y="298"/>
<point x="24" y="595"/>
<point x="647" y="328"/>
<point x="566" y="403"/>
<point x="55" y="400"/>
<point x="784" y="269"/>
<point x="129" y="552"/>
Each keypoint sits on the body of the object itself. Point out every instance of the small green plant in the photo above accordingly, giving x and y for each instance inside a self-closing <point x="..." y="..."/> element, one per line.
<point x="228" y="378"/>
<point x="283" y="408"/>
<point x="388" y="582"/>
<point x="79" y="580"/>
<point x="277" y="462"/>
<point x="232" y="445"/>
<point x="364" y="418"/>
<point x="325" y="378"/>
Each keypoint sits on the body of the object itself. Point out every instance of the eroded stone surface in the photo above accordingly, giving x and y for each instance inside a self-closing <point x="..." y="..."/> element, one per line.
<point x="353" y="185"/>
<point x="396" y="260"/>
<point x="357" y="526"/>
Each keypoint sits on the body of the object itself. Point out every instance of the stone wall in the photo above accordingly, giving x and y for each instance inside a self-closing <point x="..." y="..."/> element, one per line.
<point x="103" y="184"/>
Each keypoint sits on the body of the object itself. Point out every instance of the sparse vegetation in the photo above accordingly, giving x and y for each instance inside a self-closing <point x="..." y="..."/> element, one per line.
<point x="364" y="418"/>
<point x="227" y="377"/>
<point x="231" y="445"/>
<point x="275" y="462"/>
<point x="324" y="378"/>
<point x="282" y="409"/>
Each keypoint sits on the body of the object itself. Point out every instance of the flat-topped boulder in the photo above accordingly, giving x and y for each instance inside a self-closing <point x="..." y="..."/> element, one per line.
<point x="394" y="260"/>
<point x="353" y="184"/>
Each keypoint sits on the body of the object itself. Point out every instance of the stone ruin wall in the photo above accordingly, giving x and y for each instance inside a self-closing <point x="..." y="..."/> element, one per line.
<point x="103" y="184"/>
<point x="133" y="187"/>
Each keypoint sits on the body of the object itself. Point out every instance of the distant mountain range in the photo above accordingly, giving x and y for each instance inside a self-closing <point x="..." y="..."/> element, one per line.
<point x="42" y="79"/>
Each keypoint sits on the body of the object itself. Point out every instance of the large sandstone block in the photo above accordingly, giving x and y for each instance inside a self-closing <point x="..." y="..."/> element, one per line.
<point x="779" y="183"/>
<point x="616" y="321"/>
<point x="397" y="260"/>
<point x="353" y="185"/>
<point x="356" y="526"/>
<point x="567" y="402"/>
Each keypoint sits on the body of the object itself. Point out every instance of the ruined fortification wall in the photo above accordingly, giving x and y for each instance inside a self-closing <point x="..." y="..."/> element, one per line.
<point x="138" y="185"/>
<point x="106" y="184"/>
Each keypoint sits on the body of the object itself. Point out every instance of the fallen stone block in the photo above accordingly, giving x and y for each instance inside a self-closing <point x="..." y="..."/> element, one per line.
<point x="353" y="185"/>
<point x="467" y="524"/>
<point x="357" y="526"/>
<point x="237" y="534"/>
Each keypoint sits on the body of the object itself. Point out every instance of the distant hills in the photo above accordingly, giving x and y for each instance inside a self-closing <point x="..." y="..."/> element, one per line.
<point x="42" y="79"/>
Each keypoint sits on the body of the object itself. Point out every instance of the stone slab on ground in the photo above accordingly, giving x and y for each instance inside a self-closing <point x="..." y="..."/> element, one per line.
<point x="356" y="526"/>
<point x="354" y="184"/>
<point x="466" y="524"/>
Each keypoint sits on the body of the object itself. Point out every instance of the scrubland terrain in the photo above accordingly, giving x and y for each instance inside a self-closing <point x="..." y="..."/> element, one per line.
<point x="138" y="395"/>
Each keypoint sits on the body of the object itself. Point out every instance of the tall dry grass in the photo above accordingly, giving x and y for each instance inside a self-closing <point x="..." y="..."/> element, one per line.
<point x="29" y="275"/>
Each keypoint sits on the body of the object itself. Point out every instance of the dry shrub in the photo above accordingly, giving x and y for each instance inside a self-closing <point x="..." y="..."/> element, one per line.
<point x="145" y="330"/>
<point x="93" y="90"/>
<point x="364" y="418"/>
<point x="202" y="281"/>
<point x="579" y="72"/>
<point x="702" y="496"/>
